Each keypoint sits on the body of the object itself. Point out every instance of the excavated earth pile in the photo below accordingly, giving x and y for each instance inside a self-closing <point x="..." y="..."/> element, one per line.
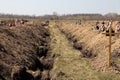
<point x="24" y="53"/>
<point x="91" y="44"/>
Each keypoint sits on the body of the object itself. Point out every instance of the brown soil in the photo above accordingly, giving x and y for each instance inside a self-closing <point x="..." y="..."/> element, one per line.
<point x="23" y="51"/>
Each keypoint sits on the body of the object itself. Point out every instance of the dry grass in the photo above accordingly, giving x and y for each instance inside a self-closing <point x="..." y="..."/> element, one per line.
<point x="69" y="65"/>
<point x="93" y="40"/>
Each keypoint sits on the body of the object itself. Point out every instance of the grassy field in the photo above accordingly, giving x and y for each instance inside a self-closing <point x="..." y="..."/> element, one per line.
<point x="69" y="65"/>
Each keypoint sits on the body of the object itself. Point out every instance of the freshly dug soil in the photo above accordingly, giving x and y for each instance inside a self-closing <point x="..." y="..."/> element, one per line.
<point x="21" y="49"/>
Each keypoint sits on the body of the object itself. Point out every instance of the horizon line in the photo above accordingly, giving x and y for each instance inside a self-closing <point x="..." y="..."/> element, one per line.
<point x="57" y="14"/>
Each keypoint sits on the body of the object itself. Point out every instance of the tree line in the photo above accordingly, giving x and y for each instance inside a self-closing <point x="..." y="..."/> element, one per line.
<point x="55" y="16"/>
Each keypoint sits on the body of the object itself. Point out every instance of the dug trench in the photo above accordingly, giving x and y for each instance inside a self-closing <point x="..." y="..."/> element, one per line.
<point x="80" y="38"/>
<point x="70" y="63"/>
<point x="25" y="53"/>
<point x="86" y="52"/>
<point x="40" y="53"/>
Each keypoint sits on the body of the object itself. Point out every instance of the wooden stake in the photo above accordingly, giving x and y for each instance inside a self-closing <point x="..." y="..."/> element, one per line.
<point x="110" y="43"/>
<point x="109" y="55"/>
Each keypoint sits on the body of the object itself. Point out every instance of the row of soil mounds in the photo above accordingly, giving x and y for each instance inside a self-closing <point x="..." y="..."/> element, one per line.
<point x="91" y="45"/>
<point x="24" y="53"/>
<point x="86" y="52"/>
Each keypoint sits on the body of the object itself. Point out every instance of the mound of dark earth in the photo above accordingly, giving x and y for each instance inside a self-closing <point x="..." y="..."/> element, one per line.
<point x="21" y="49"/>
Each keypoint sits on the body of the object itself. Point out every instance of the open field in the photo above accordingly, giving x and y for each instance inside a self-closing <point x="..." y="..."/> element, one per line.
<point x="60" y="51"/>
<point x="70" y="65"/>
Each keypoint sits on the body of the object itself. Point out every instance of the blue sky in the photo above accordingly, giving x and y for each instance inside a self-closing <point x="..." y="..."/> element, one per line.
<point x="42" y="7"/>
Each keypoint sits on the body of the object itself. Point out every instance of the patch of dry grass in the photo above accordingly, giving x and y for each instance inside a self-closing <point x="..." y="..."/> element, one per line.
<point x="69" y="65"/>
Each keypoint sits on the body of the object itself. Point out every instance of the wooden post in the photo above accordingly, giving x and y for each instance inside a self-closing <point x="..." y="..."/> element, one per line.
<point x="109" y="55"/>
<point x="110" y="33"/>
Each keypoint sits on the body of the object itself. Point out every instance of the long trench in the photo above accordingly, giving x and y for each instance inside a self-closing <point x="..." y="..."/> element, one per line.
<point x="69" y="65"/>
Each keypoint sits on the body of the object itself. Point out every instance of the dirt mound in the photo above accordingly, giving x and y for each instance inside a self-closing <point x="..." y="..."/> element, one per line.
<point x="92" y="43"/>
<point x="22" y="47"/>
<point x="86" y="52"/>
